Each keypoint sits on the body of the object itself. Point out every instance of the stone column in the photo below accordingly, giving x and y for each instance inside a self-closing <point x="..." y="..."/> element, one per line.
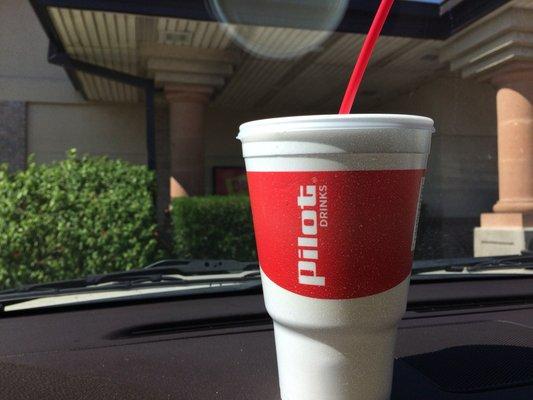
<point x="189" y="77"/>
<point x="187" y="105"/>
<point x="515" y="140"/>
<point x="509" y="229"/>
<point x="500" y="51"/>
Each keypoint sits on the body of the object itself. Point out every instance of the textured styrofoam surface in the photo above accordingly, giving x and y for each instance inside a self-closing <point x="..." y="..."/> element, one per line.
<point x="331" y="134"/>
<point x="335" y="349"/>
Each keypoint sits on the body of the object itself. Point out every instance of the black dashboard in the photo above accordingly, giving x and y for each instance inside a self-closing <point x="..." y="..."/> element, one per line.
<point x="467" y="339"/>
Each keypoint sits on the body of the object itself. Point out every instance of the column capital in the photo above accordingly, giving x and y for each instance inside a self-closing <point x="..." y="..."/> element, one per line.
<point x="176" y="93"/>
<point x="500" y="43"/>
<point x="185" y="70"/>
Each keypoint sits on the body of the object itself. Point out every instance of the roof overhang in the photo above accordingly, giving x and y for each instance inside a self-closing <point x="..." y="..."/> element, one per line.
<point x="408" y="19"/>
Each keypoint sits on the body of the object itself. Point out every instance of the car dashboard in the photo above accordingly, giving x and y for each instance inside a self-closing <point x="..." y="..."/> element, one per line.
<point x="459" y="339"/>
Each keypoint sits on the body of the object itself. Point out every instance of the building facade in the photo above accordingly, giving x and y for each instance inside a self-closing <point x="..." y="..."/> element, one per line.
<point x="474" y="78"/>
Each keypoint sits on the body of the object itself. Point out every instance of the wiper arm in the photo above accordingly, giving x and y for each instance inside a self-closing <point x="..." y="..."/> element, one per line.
<point x="476" y="264"/>
<point x="170" y="271"/>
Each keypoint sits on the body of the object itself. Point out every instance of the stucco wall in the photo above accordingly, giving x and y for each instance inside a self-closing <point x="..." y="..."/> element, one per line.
<point x="221" y="146"/>
<point x="462" y="178"/>
<point x="25" y="73"/>
<point x="114" y="130"/>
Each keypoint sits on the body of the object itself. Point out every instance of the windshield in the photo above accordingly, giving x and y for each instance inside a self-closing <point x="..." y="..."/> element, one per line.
<point x="118" y="144"/>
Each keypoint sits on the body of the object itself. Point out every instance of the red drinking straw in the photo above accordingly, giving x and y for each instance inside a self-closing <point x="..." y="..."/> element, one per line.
<point x="364" y="56"/>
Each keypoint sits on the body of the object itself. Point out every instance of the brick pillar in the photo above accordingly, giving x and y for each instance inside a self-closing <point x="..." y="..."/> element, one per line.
<point x="13" y="143"/>
<point x="187" y="105"/>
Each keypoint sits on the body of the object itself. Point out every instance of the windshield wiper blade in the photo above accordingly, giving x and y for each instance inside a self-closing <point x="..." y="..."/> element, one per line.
<point x="474" y="264"/>
<point x="166" y="271"/>
<point x="509" y="262"/>
<point x="206" y="266"/>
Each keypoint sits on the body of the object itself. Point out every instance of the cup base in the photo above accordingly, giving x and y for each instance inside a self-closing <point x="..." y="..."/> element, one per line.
<point x="346" y="366"/>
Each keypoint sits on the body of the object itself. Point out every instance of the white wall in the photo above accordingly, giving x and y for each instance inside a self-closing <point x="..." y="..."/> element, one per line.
<point x="25" y="73"/>
<point x="463" y="176"/>
<point x="106" y="129"/>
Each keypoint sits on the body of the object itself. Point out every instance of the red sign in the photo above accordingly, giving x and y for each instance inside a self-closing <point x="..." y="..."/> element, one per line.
<point x="337" y="234"/>
<point x="229" y="180"/>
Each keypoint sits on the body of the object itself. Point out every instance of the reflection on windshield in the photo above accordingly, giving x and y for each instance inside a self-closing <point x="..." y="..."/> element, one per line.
<point x="121" y="150"/>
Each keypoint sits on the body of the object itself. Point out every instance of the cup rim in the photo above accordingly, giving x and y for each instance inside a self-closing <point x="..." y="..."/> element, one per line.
<point x="334" y="122"/>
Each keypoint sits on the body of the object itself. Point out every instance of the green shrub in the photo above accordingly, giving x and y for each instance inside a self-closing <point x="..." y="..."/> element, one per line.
<point x="217" y="227"/>
<point x="75" y="217"/>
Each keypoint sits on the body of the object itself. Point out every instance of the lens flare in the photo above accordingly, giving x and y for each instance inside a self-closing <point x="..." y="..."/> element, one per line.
<point x="279" y="29"/>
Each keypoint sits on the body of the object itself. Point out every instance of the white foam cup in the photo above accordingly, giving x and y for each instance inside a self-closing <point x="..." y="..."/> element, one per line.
<point x="335" y="200"/>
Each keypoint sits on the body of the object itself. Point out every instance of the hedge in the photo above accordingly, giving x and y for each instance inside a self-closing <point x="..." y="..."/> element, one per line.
<point x="79" y="216"/>
<point x="213" y="227"/>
